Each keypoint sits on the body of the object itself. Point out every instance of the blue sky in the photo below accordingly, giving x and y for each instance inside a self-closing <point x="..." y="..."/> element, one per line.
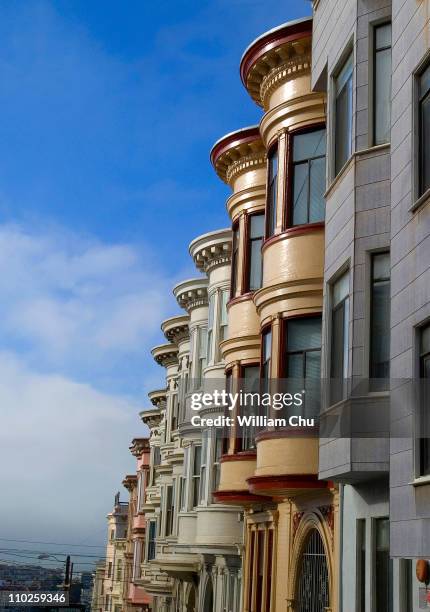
<point x="109" y="110"/>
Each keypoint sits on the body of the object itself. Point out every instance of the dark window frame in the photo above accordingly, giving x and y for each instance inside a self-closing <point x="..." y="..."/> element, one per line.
<point x="424" y="357"/>
<point x="421" y="100"/>
<point x="374" y="282"/>
<point x="287" y="213"/>
<point x="235" y="260"/>
<point x="239" y="445"/>
<point x="248" y="252"/>
<point x="272" y="191"/>
<point x="348" y="54"/>
<point x="375" y="52"/>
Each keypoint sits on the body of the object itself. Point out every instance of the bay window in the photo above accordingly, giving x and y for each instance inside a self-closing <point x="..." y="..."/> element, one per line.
<point x="307" y="177"/>
<point x="254" y="260"/>
<point x="424" y="129"/>
<point x="343" y="114"/>
<point x="272" y="191"/>
<point x="382" y="83"/>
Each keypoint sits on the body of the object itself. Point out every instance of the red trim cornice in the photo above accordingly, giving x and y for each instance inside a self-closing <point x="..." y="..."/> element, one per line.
<point x="241" y="298"/>
<point x="292" y="232"/>
<point x="233" y="140"/>
<point x="272" y="40"/>
<point x="242" y="456"/>
<point x="258" y="484"/>
<point x="237" y="497"/>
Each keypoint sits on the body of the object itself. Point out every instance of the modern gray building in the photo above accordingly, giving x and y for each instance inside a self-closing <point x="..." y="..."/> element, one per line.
<point x="372" y="58"/>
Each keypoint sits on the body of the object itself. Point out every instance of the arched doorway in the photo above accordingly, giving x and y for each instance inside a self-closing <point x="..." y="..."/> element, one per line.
<point x="191" y="602"/>
<point x="313" y="582"/>
<point x="208" y="604"/>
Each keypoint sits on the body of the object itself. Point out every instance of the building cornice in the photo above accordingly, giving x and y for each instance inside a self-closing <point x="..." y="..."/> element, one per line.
<point x="192" y="293"/>
<point x="212" y="250"/>
<point x="176" y="329"/>
<point x="238" y="152"/>
<point x="165" y="354"/>
<point x="130" y="482"/>
<point x="138" y="446"/>
<point x="276" y="57"/>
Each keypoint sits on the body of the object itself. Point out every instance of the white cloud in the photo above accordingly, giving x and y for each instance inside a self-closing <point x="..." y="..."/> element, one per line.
<point x="68" y="297"/>
<point x="64" y="453"/>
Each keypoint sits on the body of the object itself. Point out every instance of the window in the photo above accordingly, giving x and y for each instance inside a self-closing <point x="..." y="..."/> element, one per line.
<point x="141" y="488"/>
<point x="272" y="191"/>
<point x="339" y="337"/>
<point x="383" y="566"/>
<point x="424" y="129"/>
<point x="361" y="565"/>
<point x="379" y="363"/>
<point x="254" y="257"/>
<point x="137" y="559"/>
<point x="183" y="502"/>
<point x="203" y="462"/>
<point x="382" y="83"/>
<point x="343" y="114"/>
<point x="152" y="533"/>
<point x="218" y="451"/>
<point x="303" y="359"/>
<point x="211" y="313"/>
<point x="425" y="403"/>
<point x="250" y="384"/>
<point x="235" y="260"/>
<point x="174" y="423"/>
<point x="266" y="355"/>
<point x="223" y="316"/>
<point x="308" y="177"/>
<point x="259" y="568"/>
<point x="109" y="569"/>
<point x="202" y="339"/>
<point x="119" y="570"/>
<point x="170" y="509"/>
<point x="197" y="462"/>
<point x="226" y="430"/>
<point x="112" y="534"/>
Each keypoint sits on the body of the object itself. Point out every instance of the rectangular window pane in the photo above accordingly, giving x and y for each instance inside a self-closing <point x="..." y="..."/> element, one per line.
<point x="300" y="194"/>
<point x="304" y="334"/>
<point x="424" y="82"/>
<point x="255" y="265"/>
<point x="425" y="340"/>
<point x="383" y="566"/>
<point x="341" y="289"/>
<point x="361" y="565"/>
<point x="309" y="145"/>
<point x="380" y="318"/>
<point x="316" y="190"/>
<point x="343" y="115"/>
<point x="256" y="229"/>
<point x="425" y="144"/>
<point x="382" y="88"/>
<point x="272" y="191"/>
<point x="383" y="36"/>
<point x="308" y="177"/>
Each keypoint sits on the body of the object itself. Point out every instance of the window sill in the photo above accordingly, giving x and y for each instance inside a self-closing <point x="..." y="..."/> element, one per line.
<point x="339" y="176"/>
<point x="421" y="481"/>
<point x="424" y="199"/>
